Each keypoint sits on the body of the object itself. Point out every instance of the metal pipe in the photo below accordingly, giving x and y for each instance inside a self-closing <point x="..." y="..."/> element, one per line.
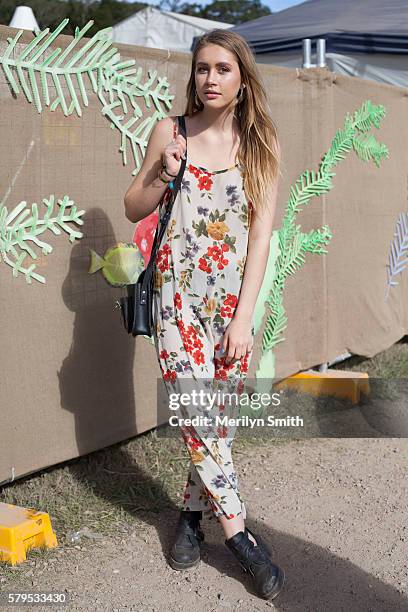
<point x="320" y="53"/>
<point x="307" y="52"/>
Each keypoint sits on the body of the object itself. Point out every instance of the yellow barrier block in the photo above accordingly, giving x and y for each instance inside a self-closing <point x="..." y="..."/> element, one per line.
<point x="339" y="383"/>
<point x="22" y="529"/>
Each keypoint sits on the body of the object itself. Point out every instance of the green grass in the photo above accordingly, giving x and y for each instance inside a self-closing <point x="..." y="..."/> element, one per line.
<point x="392" y="363"/>
<point x="110" y="489"/>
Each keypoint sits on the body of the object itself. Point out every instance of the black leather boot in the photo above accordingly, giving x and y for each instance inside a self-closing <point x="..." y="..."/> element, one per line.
<point x="185" y="552"/>
<point x="260" y="541"/>
<point x="268" y="578"/>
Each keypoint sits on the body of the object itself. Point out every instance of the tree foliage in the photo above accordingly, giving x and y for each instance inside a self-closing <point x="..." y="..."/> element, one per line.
<point x="105" y="13"/>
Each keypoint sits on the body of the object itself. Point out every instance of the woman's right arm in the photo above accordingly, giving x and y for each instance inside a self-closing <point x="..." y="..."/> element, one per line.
<point x="146" y="190"/>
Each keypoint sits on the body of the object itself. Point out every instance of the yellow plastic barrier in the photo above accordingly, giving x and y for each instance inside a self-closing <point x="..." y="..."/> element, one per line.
<point x="339" y="383"/>
<point x="22" y="529"/>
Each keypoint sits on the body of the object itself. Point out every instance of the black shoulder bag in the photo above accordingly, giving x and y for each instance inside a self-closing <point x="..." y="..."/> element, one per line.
<point x="137" y="307"/>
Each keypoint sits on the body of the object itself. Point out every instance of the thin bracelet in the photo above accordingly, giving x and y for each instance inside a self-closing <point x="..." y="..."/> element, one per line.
<point x="168" y="173"/>
<point x="170" y="184"/>
<point x="162" y="179"/>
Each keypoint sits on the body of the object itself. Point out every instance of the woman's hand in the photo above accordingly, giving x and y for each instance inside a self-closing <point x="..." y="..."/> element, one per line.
<point x="172" y="154"/>
<point x="238" y="339"/>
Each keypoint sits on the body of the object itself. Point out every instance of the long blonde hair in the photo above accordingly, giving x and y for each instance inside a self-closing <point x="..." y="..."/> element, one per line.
<point x="259" y="150"/>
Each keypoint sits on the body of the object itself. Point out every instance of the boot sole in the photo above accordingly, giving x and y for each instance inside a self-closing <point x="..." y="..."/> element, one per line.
<point x="278" y="585"/>
<point x="177" y="565"/>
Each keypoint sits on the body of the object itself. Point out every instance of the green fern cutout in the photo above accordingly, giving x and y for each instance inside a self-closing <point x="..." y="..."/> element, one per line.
<point x="293" y="244"/>
<point x="117" y="83"/>
<point x="23" y="226"/>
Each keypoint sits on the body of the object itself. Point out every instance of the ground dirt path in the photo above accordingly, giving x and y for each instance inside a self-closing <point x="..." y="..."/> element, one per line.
<point x="333" y="510"/>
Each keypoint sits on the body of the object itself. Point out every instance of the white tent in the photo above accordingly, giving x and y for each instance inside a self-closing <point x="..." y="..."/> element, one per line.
<point x="24" y="19"/>
<point x="151" y="27"/>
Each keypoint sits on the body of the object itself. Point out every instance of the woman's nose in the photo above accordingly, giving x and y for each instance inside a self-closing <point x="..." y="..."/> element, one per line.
<point x="211" y="78"/>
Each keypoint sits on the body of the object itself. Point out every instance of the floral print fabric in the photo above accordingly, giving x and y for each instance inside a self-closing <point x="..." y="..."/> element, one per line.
<point x="199" y="268"/>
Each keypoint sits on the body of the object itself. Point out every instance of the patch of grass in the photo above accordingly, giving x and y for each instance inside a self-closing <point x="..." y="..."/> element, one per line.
<point x="108" y="490"/>
<point x="391" y="363"/>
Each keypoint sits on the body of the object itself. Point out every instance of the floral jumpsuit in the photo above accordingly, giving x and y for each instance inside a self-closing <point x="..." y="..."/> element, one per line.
<point x="198" y="272"/>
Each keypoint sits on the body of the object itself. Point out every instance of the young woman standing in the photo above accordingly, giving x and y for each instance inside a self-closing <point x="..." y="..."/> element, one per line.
<point x="209" y="269"/>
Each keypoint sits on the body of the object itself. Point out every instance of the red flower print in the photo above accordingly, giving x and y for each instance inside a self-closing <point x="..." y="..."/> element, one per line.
<point x="240" y="386"/>
<point x="222" y="431"/>
<point x="194" y="170"/>
<point x="231" y="300"/>
<point x="221" y="368"/>
<point x="205" y="182"/>
<point x="162" y="258"/>
<point x="202" y="264"/>
<point x="204" y="178"/>
<point x="214" y="252"/>
<point x="194" y="443"/>
<point x="177" y="300"/>
<point x="191" y="342"/>
<point x="198" y="357"/>
<point x="222" y="263"/>
<point x="226" y="312"/>
<point x="164" y="354"/>
<point x="169" y="375"/>
<point x="225" y="247"/>
<point x="244" y="367"/>
<point x="244" y="363"/>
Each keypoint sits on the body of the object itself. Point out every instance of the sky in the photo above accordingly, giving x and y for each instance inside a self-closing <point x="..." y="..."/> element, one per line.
<point x="274" y="5"/>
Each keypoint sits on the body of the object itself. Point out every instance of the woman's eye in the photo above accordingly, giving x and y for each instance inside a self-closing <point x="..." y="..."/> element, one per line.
<point x="223" y="68"/>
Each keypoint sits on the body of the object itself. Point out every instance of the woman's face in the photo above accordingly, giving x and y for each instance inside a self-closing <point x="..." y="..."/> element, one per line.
<point x="217" y="70"/>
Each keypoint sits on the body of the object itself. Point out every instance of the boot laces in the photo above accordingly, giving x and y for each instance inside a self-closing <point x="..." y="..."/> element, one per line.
<point x="259" y="555"/>
<point x="188" y="531"/>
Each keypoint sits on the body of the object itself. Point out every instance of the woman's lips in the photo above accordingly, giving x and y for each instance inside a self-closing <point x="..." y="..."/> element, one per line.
<point x="212" y="95"/>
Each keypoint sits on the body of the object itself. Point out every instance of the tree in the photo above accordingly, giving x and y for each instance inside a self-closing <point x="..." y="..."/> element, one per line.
<point x="50" y="13"/>
<point x="228" y="11"/>
<point x="235" y="11"/>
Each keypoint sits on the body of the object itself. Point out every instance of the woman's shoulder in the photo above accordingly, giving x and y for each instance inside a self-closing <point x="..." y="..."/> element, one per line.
<point x="167" y="126"/>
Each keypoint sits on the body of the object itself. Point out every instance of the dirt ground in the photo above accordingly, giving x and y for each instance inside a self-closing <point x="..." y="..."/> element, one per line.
<point x="333" y="510"/>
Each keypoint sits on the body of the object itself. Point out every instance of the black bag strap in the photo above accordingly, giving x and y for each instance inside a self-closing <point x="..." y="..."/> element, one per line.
<point x="162" y="223"/>
<point x="176" y="186"/>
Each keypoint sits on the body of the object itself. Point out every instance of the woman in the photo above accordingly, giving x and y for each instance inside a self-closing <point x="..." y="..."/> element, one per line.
<point x="209" y="270"/>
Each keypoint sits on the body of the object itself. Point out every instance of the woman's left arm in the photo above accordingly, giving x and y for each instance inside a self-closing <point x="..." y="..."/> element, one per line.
<point x="238" y="338"/>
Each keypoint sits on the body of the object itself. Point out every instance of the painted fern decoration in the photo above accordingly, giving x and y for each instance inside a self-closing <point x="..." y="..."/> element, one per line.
<point x="293" y="244"/>
<point x="398" y="257"/>
<point x="118" y="84"/>
<point x="23" y="225"/>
